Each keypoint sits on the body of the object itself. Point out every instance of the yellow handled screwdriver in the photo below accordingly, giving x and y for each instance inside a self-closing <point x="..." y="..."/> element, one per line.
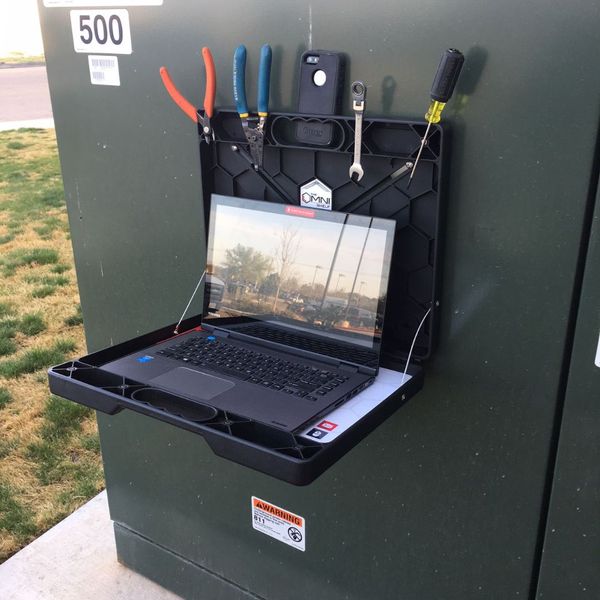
<point x="441" y="91"/>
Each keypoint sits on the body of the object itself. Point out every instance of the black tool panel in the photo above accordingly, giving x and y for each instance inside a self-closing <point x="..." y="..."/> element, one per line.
<point x="387" y="145"/>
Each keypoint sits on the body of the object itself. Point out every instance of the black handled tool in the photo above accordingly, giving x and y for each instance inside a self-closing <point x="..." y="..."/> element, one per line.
<point x="441" y="91"/>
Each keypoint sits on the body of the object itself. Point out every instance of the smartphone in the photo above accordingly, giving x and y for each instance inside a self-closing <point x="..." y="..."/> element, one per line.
<point x="320" y="93"/>
<point x="321" y="82"/>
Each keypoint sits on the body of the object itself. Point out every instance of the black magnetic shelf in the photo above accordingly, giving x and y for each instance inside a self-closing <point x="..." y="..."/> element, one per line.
<point x="283" y="455"/>
<point x="413" y="288"/>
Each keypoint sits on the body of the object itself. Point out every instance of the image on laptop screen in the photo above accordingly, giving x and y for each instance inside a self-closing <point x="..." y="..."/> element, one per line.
<point x="320" y="272"/>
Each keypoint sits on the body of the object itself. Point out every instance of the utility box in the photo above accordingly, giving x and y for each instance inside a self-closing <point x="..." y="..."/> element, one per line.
<point x="449" y="497"/>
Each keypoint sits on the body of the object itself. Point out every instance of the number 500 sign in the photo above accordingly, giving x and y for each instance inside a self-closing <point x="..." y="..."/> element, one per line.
<point x="101" y="31"/>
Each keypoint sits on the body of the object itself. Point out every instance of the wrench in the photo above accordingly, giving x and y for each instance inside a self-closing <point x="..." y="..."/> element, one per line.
<point x="359" y="95"/>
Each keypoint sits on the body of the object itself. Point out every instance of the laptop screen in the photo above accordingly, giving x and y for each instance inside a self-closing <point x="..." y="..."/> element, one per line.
<point x="302" y="271"/>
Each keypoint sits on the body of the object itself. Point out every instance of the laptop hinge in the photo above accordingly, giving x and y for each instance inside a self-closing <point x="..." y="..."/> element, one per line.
<point x="357" y="369"/>
<point x="220" y="333"/>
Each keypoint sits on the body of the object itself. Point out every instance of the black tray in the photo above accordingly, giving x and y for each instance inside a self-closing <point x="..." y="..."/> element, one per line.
<point x="262" y="447"/>
<point x="413" y="288"/>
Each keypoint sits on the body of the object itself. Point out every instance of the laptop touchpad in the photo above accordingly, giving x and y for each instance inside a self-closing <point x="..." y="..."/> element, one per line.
<point x="193" y="383"/>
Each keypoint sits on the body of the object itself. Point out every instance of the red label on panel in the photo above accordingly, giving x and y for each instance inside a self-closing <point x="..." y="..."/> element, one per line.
<point x="299" y="212"/>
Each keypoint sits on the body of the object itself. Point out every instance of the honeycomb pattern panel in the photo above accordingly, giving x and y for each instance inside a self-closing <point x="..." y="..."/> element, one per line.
<point x="387" y="146"/>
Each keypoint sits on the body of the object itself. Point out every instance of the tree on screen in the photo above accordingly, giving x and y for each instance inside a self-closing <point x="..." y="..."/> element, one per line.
<point x="285" y="255"/>
<point x="246" y="265"/>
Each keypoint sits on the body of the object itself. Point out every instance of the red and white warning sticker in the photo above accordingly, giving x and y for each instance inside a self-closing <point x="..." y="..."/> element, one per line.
<point x="343" y="417"/>
<point x="278" y="523"/>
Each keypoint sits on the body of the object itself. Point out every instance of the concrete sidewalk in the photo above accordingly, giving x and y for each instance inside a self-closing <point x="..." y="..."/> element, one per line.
<point x="33" y="123"/>
<point x="76" y="560"/>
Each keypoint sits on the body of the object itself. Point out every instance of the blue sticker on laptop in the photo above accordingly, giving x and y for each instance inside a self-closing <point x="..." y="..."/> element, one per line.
<point x="317" y="433"/>
<point x="145" y="359"/>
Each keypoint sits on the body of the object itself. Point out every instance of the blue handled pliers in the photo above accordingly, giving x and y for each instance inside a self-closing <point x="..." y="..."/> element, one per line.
<point x="254" y="132"/>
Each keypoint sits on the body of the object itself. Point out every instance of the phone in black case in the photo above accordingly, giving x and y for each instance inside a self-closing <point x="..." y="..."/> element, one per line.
<point x="320" y="93"/>
<point x="321" y="82"/>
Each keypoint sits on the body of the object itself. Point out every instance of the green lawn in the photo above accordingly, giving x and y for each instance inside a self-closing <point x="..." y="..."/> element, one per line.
<point x="49" y="449"/>
<point x="18" y="58"/>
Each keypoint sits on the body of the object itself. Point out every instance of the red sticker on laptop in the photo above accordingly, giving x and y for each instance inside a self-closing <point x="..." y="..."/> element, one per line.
<point x="327" y="425"/>
<point x="298" y="211"/>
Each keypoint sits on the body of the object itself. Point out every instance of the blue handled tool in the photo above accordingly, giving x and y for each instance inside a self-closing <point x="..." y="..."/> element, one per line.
<point x="253" y="127"/>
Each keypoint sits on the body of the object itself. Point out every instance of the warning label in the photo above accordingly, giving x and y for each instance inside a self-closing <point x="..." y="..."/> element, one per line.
<point x="278" y="523"/>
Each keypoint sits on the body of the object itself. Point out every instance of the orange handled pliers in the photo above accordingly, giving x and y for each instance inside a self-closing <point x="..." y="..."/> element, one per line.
<point x="209" y="97"/>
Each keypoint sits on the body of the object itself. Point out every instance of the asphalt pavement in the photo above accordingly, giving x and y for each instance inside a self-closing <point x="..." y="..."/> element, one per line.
<point x="24" y="98"/>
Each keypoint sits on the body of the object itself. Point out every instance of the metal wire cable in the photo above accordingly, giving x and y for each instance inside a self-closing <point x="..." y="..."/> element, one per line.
<point x="176" y="331"/>
<point x="413" y="344"/>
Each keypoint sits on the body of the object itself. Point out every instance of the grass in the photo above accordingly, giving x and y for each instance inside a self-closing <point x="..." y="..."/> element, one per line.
<point x="7" y="346"/>
<point x="23" y="257"/>
<point x="32" y="186"/>
<point x="19" y="58"/>
<point x="54" y="280"/>
<point x="7" y="446"/>
<point x="6" y="309"/>
<point x="32" y="324"/>
<point x="49" y="226"/>
<point x="60" y="268"/>
<point x="62" y="418"/>
<point x="5" y="397"/>
<point x="44" y="291"/>
<point x="8" y="330"/>
<point x="49" y="448"/>
<point x="37" y="358"/>
<point x="16" y="145"/>
<point x="91" y="442"/>
<point x="14" y="517"/>
<point x="76" y="319"/>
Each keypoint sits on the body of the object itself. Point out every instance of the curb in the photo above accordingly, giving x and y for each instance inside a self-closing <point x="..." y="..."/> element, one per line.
<point x="4" y="65"/>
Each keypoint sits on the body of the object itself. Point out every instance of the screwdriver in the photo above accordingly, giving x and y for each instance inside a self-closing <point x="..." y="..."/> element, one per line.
<point x="441" y="91"/>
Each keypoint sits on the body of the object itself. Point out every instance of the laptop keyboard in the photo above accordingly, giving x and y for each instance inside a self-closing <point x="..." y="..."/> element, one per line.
<point x="354" y="355"/>
<point x="255" y="367"/>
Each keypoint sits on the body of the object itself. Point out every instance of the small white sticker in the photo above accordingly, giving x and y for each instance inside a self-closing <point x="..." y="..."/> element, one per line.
<point x="316" y="194"/>
<point x="278" y="523"/>
<point x="101" y="31"/>
<point x="598" y="352"/>
<point x="104" y="70"/>
<point x="59" y="3"/>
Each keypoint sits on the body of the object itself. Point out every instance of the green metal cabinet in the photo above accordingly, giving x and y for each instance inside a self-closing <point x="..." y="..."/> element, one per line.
<point x="449" y="497"/>
<point x="569" y="567"/>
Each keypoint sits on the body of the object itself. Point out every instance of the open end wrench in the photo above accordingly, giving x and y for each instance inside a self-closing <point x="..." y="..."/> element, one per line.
<point x="359" y="94"/>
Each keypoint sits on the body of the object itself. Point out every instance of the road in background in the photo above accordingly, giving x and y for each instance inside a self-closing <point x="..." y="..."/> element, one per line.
<point x="24" y="98"/>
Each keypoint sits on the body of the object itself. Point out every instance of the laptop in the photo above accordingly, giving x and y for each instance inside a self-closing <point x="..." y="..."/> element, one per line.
<point x="293" y="315"/>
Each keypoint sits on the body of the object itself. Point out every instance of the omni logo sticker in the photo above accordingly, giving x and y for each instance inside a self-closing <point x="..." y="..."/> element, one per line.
<point x="278" y="523"/>
<point x="315" y="194"/>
